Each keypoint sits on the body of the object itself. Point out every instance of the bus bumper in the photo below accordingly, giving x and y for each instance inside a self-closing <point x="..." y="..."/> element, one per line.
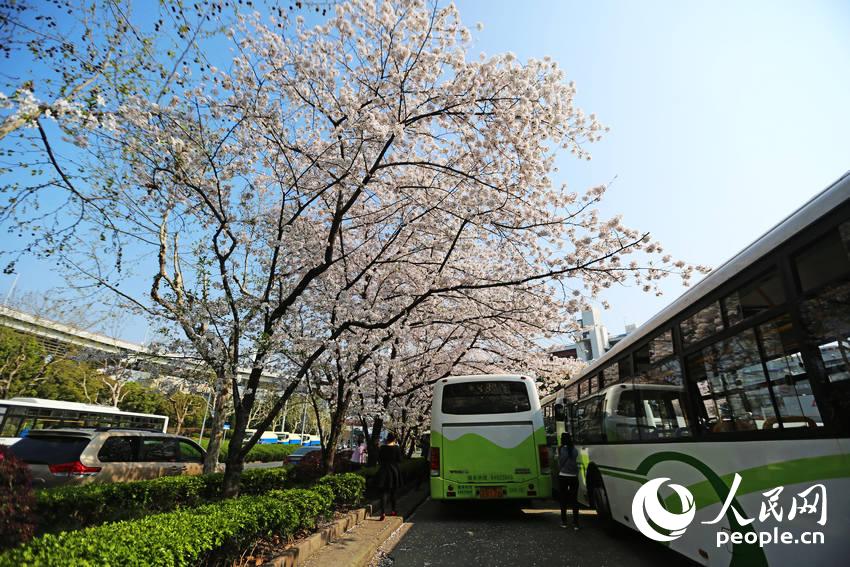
<point x="537" y="487"/>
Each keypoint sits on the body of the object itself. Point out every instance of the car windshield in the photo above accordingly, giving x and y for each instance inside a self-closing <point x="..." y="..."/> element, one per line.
<point x="49" y="450"/>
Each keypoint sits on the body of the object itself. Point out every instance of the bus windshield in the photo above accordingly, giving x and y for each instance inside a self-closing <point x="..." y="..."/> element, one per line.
<point x="480" y="397"/>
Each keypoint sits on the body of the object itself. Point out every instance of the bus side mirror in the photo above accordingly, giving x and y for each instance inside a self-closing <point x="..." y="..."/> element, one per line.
<point x="559" y="412"/>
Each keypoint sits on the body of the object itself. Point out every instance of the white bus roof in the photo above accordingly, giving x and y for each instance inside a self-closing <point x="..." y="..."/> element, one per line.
<point x="75" y="406"/>
<point x="819" y="205"/>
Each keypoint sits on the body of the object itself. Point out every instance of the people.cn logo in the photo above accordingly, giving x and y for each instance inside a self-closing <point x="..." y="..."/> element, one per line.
<point x="646" y="508"/>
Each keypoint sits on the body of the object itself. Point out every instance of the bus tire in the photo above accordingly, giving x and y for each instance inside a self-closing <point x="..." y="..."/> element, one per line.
<point x="601" y="503"/>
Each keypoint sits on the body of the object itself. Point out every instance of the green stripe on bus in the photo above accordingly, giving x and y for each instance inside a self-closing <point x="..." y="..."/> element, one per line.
<point x="618" y="474"/>
<point x="769" y="476"/>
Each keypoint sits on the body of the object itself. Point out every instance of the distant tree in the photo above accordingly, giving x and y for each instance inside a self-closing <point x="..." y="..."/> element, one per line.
<point x="143" y="399"/>
<point x="182" y="406"/>
<point x="64" y="380"/>
<point x="23" y="363"/>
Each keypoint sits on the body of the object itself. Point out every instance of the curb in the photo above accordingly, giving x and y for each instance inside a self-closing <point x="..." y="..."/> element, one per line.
<point x="362" y="557"/>
<point x="300" y="552"/>
<point x="306" y="551"/>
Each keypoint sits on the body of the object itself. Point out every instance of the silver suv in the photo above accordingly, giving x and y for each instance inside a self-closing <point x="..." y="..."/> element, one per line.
<point x="79" y="456"/>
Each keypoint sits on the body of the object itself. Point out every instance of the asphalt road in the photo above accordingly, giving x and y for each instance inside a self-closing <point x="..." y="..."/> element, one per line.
<point x="495" y="534"/>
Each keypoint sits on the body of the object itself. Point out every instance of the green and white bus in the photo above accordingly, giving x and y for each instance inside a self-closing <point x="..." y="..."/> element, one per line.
<point x="487" y="439"/>
<point x="746" y="375"/>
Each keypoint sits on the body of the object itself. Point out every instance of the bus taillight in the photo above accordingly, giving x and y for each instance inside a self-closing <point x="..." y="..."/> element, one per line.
<point x="543" y="451"/>
<point x="435" y="461"/>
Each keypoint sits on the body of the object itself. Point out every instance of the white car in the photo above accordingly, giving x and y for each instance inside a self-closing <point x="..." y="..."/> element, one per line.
<point x="79" y="456"/>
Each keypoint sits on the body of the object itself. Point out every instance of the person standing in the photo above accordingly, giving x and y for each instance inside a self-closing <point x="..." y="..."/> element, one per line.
<point x="389" y="472"/>
<point x="568" y="479"/>
<point x="359" y="452"/>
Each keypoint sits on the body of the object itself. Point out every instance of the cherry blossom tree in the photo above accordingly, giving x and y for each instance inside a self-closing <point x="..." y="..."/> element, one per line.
<point x="337" y="189"/>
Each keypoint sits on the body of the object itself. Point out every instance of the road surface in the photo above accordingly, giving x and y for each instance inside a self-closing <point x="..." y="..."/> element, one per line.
<point x="497" y="534"/>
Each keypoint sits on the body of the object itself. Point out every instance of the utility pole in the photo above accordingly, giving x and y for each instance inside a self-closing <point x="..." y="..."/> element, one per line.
<point x="204" y="422"/>
<point x="283" y="423"/>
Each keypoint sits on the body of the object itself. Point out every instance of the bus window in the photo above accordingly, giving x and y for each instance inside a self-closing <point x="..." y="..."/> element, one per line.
<point x="791" y="386"/>
<point x="589" y="420"/>
<point x="483" y="397"/>
<point x="764" y="293"/>
<point x="623" y="426"/>
<point x="661" y="346"/>
<point x="641" y="360"/>
<point x="826" y="261"/>
<point x="836" y="359"/>
<point x="661" y="414"/>
<point x="624" y="368"/>
<point x="826" y="318"/>
<point x="669" y="372"/>
<point x="732" y="385"/>
<point x="702" y="324"/>
<point x="610" y="376"/>
<point x="571" y="393"/>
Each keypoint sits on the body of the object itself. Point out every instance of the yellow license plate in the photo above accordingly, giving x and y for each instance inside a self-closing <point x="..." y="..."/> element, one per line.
<point x="491" y="492"/>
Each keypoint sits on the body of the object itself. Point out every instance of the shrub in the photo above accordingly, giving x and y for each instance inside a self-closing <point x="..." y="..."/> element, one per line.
<point x="211" y="533"/>
<point x="73" y="507"/>
<point x="348" y="488"/>
<point x="259" y="481"/>
<point x="184" y="537"/>
<point x="17" y="521"/>
<point x="269" y="453"/>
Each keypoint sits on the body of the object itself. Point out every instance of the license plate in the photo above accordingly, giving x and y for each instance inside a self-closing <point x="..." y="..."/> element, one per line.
<point x="491" y="492"/>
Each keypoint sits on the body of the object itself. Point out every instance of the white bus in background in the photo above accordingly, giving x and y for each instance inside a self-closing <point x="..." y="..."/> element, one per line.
<point x="748" y="374"/>
<point x="20" y="415"/>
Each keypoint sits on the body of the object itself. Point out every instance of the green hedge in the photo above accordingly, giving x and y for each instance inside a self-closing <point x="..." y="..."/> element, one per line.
<point x="348" y="488"/>
<point x="73" y="507"/>
<point x="269" y="453"/>
<point x="211" y="533"/>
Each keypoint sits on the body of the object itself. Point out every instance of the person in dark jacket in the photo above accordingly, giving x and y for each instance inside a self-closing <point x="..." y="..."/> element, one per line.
<point x="568" y="479"/>
<point x="389" y="472"/>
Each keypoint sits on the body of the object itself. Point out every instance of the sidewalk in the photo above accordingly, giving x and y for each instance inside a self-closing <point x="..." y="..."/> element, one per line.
<point x="357" y="547"/>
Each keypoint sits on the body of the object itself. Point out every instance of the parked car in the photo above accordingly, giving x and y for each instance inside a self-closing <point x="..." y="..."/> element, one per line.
<point x="79" y="456"/>
<point x="295" y="456"/>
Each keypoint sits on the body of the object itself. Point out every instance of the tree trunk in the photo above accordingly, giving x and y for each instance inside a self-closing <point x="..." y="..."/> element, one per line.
<point x="232" y="472"/>
<point x="337" y="421"/>
<point x="373" y="441"/>
<point x="222" y="406"/>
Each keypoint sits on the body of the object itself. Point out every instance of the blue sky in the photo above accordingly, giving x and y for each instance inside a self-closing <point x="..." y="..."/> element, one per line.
<point x="725" y="116"/>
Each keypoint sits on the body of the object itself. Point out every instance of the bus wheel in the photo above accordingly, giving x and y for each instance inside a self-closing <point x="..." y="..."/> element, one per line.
<point x="601" y="504"/>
